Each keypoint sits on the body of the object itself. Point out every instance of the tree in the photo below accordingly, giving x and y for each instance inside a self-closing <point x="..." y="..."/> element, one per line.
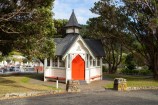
<point x="59" y="24"/>
<point x="137" y="23"/>
<point x="108" y="27"/>
<point x="143" y="25"/>
<point x="27" y="26"/>
<point x="129" y="61"/>
<point x="84" y="31"/>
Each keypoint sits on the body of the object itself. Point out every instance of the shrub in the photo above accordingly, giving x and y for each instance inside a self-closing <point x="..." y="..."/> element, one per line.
<point x="104" y="69"/>
<point x="136" y="72"/>
<point x="145" y="72"/>
<point x="129" y="62"/>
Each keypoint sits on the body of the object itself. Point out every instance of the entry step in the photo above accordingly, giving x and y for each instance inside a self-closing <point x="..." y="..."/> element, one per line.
<point x="83" y="82"/>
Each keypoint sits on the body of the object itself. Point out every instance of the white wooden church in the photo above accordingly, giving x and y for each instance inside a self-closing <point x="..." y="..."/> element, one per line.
<point x="75" y="58"/>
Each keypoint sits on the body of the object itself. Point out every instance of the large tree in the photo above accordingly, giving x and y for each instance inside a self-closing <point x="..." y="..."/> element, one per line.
<point x="109" y="28"/>
<point x="59" y="24"/>
<point x="143" y="25"/>
<point x="27" y="26"/>
<point x="135" y="25"/>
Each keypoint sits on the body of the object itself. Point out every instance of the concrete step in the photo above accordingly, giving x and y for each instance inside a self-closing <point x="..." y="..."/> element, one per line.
<point x="83" y="82"/>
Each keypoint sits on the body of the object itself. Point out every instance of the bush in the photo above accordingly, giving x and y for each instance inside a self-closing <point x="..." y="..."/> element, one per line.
<point x="104" y="69"/>
<point x="130" y="62"/>
<point x="136" y="72"/>
<point x="145" y="72"/>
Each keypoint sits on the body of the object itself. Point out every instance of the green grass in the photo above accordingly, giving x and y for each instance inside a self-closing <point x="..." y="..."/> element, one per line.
<point x="133" y="81"/>
<point x="25" y="80"/>
<point x="22" y="83"/>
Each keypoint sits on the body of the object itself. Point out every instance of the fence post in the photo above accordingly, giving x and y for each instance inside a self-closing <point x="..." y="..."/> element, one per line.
<point x="57" y="83"/>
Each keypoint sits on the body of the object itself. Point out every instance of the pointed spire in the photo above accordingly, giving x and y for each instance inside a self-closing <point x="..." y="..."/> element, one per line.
<point x="73" y="21"/>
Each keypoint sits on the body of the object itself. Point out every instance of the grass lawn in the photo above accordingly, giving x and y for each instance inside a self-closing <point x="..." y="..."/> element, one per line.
<point x="21" y="83"/>
<point x="133" y="81"/>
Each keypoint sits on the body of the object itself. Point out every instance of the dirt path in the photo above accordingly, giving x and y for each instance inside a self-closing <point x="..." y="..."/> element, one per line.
<point x="93" y="86"/>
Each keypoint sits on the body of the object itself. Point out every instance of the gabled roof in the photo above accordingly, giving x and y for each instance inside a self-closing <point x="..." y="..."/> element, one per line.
<point x="63" y="44"/>
<point x="96" y="47"/>
<point x="73" y="21"/>
<point x="57" y="40"/>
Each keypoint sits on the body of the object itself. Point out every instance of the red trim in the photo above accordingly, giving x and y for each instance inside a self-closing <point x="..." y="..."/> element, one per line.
<point x="59" y="78"/>
<point x="97" y="76"/>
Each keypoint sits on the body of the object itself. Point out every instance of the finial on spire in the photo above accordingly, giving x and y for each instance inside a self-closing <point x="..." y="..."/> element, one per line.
<point x="73" y="21"/>
<point x="72" y="26"/>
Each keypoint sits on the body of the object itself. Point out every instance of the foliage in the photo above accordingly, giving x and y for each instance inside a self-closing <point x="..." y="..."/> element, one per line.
<point x="8" y="60"/>
<point x="109" y="27"/>
<point x="33" y="30"/>
<point x="14" y="53"/>
<point x="59" y="24"/>
<point x="136" y="72"/>
<point x="84" y="32"/>
<point x="129" y="62"/>
<point x="144" y="27"/>
<point x="1" y="57"/>
<point x="131" y="23"/>
<point x="105" y="69"/>
<point x="25" y="60"/>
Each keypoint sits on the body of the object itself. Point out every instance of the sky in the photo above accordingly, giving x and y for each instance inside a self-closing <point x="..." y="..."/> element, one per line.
<point x="63" y="9"/>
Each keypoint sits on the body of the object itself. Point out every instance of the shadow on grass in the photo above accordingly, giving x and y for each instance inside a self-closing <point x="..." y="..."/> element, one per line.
<point x="20" y="86"/>
<point x="6" y="81"/>
<point x="39" y="76"/>
<point x="36" y="76"/>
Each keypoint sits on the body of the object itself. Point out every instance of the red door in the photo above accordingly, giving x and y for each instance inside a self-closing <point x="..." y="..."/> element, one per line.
<point x="78" y="68"/>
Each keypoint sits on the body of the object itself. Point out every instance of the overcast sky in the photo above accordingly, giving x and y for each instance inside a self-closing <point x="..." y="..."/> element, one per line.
<point x="63" y="9"/>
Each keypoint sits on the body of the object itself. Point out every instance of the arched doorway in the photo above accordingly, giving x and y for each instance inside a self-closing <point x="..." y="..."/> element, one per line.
<point x="78" y="68"/>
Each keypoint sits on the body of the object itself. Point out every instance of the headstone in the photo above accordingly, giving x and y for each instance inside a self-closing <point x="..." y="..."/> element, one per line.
<point x="72" y="86"/>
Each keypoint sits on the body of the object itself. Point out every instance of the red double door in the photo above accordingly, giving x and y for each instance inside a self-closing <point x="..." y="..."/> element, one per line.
<point x="78" y="68"/>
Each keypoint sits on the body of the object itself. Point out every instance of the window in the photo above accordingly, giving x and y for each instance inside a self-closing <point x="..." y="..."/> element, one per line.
<point x="94" y="62"/>
<point x="55" y="62"/>
<point x="48" y="62"/>
<point x="61" y="62"/>
<point x="98" y="61"/>
<point x="91" y="61"/>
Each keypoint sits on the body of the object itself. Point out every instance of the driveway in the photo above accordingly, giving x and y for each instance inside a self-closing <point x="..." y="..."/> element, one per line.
<point x="106" y="97"/>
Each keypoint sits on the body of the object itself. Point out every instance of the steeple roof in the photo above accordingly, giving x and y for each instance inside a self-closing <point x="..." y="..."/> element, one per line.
<point x="73" y="21"/>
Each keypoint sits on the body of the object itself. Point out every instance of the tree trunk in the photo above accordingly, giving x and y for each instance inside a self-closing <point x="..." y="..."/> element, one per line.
<point x="113" y="69"/>
<point x="154" y="67"/>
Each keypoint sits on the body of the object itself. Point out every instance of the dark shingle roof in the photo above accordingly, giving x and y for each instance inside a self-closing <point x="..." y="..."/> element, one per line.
<point x="73" y="21"/>
<point x="96" y="47"/>
<point x="57" y="40"/>
<point x="62" y="45"/>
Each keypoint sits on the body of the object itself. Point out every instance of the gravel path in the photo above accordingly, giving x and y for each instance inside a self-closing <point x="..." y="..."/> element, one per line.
<point x="106" y="97"/>
<point x="93" y="86"/>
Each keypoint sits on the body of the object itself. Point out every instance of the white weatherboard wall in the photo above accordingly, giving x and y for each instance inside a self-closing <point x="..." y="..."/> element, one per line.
<point x="95" y="72"/>
<point x="55" y="72"/>
<point x="77" y="49"/>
